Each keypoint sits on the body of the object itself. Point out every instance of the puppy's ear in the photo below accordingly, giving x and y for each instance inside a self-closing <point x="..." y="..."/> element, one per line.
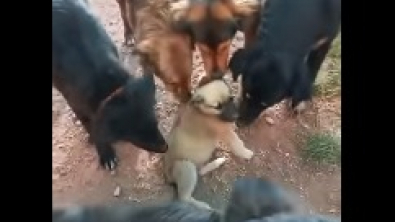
<point x="237" y="63"/>
<point x="197" y="99"/>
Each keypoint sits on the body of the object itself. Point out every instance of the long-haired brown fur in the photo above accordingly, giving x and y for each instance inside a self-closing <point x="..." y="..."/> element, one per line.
<point x="212" y="25"/>
<point x="167" y="51"/>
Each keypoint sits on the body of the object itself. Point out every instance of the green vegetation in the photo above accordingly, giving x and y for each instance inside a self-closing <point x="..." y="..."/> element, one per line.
<point x="322" y="148"/>
<point x="328" y="82"/>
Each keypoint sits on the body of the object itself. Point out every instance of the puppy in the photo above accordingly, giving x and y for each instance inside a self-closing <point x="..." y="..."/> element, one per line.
<point x="252" y="207"/>
<point x="112" y="106"/>
<point x="208" y="117"/>
<point x="167" y="51"/>
<point x="212" y="24"/>
<point x="293" y="41"/>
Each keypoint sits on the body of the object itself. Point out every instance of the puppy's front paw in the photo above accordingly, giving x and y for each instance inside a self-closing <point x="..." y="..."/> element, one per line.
<point x="108" y="160"/>
<point x="247" y="154"/>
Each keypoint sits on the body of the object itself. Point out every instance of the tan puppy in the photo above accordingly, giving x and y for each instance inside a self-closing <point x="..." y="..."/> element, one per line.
<point x="208" y="117"/>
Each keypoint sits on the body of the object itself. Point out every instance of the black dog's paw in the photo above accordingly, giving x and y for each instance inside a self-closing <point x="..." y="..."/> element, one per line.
<point x="108" y="160"/>
<point x="296" y="109"/>
<point x="129" y="41"/>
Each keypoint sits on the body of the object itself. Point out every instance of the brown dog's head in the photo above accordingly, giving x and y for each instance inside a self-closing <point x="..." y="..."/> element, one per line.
<point x="214" y="98"/>
<point x="212" y="24"/>
<point x="171" y="58"/>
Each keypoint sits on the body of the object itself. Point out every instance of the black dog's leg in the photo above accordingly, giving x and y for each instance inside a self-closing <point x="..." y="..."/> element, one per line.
<point x="316" y="58"/>
<point x="302" y="89"/>
<point x="107" y="156"/>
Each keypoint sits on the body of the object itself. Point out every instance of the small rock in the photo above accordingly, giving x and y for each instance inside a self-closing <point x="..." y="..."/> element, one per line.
<point x="117" y="191"/>
<point x="269" y="120"/>
<point x="333" y="211"/>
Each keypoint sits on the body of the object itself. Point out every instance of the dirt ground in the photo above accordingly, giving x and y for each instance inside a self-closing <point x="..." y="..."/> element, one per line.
<point x="78" y="179"/>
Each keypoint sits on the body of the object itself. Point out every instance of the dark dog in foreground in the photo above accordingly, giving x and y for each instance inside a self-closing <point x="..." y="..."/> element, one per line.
<point x="252" y="200"/>
<point x="292" y="42"/>
<point x="112" y="106"/>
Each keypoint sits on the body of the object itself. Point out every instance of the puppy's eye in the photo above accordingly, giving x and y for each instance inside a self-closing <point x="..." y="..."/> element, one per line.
<point x="248" y="96"/>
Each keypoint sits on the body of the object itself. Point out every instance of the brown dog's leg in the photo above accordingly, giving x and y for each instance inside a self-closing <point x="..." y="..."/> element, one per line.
<point x="185" y="175"/>
<point x="236" y="145"/>
<point x="126" y="28"/>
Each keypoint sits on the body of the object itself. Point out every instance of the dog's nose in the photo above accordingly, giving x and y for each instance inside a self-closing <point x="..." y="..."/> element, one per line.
<point x="164" y="148"/>
<point x="239" y="123"/>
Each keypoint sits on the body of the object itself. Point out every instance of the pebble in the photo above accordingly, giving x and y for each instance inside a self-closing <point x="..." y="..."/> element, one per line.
<point x="117" y="191"/>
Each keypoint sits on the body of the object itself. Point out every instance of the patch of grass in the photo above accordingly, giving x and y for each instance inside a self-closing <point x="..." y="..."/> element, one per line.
<point x="328" y="82"/>
<point x="322" y="148"/>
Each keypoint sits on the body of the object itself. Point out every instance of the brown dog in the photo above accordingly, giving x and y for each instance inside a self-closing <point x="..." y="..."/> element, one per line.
<point x="168" y="52"/>
<point x="212" y="24"/>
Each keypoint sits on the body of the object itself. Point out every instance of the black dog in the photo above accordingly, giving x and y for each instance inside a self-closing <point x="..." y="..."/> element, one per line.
<point x="251" y="200"/>
<point x="293" y="40"/>
<point x="111" y="105"/>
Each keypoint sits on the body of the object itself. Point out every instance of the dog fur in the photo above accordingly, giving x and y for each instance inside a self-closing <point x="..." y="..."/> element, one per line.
<point x="292" y="43"/>
<point x="212" y="24"/>
<point x="112" y="106"/>
<point x="251" y="200"/>
<point x="208" y="117"/>
<point x="167" y="51"/>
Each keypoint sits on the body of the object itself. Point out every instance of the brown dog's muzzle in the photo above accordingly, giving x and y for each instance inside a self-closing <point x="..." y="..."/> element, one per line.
<point x="215" y="60"/>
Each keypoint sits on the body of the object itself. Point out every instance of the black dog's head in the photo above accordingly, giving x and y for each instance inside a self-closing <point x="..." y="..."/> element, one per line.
<point x="256" y="198"/>
<point x="131" y="115"/>
<point x="263" y="82"/>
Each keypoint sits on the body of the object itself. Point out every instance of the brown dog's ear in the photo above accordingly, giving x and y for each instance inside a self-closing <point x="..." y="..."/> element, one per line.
<point x="197" y="99"/>
<point x="145" y="47"/>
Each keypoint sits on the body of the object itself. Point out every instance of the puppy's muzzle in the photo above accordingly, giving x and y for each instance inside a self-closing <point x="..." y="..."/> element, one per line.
<point x="229" y="112"/>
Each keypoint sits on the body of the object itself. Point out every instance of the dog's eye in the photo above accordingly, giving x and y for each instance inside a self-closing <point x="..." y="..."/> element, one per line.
<point x="219" y="106"/>
<point x="248" y="96"/>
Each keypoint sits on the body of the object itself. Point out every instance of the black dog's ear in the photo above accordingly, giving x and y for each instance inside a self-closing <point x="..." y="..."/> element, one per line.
<point x="237" y="63"/>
